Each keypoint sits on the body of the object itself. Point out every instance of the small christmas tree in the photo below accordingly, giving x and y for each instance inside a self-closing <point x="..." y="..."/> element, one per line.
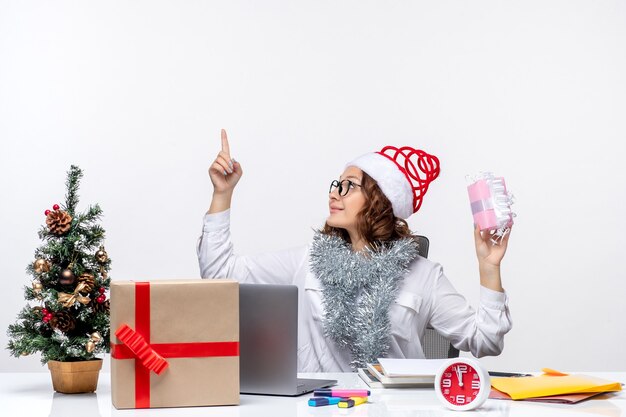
<point x="70" y="281"/>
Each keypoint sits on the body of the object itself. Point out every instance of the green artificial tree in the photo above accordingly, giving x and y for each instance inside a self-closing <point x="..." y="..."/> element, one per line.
<point x="70" y="321"/>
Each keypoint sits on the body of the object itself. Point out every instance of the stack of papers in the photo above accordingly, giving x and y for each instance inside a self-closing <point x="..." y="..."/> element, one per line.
<point x="552" y="387"/>
<point x="401" y="373"/>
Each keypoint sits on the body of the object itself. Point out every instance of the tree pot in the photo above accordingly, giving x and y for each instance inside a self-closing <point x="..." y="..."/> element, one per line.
<point x="75" y="377"/>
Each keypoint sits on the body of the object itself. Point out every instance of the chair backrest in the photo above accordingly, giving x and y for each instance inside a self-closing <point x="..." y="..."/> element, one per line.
<point x="435" y="345"/>
<point x="422" y="246"/>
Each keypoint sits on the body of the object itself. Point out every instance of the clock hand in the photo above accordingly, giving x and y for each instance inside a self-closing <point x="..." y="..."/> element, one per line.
<point x="458" y="375"/>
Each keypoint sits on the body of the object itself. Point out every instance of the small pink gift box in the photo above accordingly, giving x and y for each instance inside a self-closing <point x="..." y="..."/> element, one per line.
<point x="490" y="202"/>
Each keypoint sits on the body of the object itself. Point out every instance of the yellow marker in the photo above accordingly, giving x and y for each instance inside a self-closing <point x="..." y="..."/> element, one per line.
<point x="351" y="402"/>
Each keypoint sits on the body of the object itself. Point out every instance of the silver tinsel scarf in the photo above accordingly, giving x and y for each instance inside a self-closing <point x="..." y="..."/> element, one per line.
<point x="357" y="290"/>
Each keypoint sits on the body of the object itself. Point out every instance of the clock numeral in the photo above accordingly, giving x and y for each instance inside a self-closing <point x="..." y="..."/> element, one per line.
<point x="446" y="383"/>
<point x="475" y="384"/>
<point x="460" y="399"/>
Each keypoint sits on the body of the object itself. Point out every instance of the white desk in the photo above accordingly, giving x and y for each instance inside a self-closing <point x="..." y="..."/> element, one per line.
<point x="31" y="394"/>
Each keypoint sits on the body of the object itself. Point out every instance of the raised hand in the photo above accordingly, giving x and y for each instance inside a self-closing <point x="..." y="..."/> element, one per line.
<point x="488" y="252"/>
<point x="225" y="172"/>
<point x="489" y="257"/>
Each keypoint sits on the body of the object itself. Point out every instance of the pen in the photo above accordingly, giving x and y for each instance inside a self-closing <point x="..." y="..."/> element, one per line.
<point x="351" y="402"/>
<point x="341" y="393"/>
<point x="322" y="401"/>
<point x="507" y="374"/>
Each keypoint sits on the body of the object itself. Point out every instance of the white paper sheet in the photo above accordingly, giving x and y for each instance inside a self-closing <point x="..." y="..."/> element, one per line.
<point x="410" y="367"/>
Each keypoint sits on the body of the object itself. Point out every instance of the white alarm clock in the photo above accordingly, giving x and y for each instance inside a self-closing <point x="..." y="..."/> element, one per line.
<point x="462" y="384"/>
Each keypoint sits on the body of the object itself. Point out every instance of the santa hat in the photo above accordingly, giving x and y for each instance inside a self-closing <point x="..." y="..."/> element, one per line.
<point x="403" y="175"/>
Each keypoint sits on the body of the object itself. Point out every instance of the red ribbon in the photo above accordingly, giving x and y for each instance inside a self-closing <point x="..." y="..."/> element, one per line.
<point x="136" y="345"/>
<point x="141" y="349"/>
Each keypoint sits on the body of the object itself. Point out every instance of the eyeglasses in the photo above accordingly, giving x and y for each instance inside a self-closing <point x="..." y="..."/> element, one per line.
<point x="342" y="186"/>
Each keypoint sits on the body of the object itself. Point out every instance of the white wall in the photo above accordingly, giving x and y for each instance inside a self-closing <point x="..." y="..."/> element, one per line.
<point x="135" y="92"/>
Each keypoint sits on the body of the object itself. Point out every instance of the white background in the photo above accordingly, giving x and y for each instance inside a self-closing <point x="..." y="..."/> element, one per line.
<point x="135" y="93"/>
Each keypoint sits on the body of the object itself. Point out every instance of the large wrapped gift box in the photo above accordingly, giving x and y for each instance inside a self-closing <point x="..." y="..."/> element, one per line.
<point x="174" y="343"/>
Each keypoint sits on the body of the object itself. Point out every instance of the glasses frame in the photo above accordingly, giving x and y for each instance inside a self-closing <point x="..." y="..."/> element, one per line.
<point x="343" y="191"/>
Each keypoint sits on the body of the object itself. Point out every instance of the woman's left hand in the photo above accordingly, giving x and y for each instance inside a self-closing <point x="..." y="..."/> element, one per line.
<point x="489" y="254"/>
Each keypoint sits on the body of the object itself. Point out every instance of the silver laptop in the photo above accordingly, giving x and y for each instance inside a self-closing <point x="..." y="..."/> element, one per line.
<point x="268" y="339"/>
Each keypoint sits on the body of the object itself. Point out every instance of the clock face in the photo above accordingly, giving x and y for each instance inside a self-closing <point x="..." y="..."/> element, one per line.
<point x="462" y="385"/>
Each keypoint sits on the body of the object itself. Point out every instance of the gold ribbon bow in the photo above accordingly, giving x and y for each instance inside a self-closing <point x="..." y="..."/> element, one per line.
<point x="68" y="300"/>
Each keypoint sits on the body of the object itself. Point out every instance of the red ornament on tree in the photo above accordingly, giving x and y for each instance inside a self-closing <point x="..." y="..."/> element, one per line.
<point x="47" y="318"/>
<point x="44" y="311"/>
<point x="47" y="212"/>
<point x="101" y="299"/>
<point x="55" y="207"/>
<point x="102" y="290"/>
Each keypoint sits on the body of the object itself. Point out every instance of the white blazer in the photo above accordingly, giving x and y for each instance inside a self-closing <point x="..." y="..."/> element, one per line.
<point x="425" y="296"/>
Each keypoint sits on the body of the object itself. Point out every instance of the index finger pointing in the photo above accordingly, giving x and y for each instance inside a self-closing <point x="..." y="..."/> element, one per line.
<point x="225" y="146"/>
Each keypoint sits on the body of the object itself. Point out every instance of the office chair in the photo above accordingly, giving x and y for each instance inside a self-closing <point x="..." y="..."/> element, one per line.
<point x="435" y="345"/>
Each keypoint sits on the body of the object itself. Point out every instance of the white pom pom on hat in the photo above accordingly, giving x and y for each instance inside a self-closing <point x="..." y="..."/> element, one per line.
<point x="403" y="175"/>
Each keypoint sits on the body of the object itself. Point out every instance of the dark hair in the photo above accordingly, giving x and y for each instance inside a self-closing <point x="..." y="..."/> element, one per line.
<point x="376" y="222"/>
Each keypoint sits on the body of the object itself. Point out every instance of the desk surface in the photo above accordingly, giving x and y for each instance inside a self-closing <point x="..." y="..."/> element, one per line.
<point x="31" y="394"/>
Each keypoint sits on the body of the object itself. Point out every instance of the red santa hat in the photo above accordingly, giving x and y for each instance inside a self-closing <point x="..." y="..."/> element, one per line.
<point x="403" y="175"/>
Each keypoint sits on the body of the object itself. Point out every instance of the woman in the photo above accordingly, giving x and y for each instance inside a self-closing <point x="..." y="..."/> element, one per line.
<point x="364" y="291"/>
